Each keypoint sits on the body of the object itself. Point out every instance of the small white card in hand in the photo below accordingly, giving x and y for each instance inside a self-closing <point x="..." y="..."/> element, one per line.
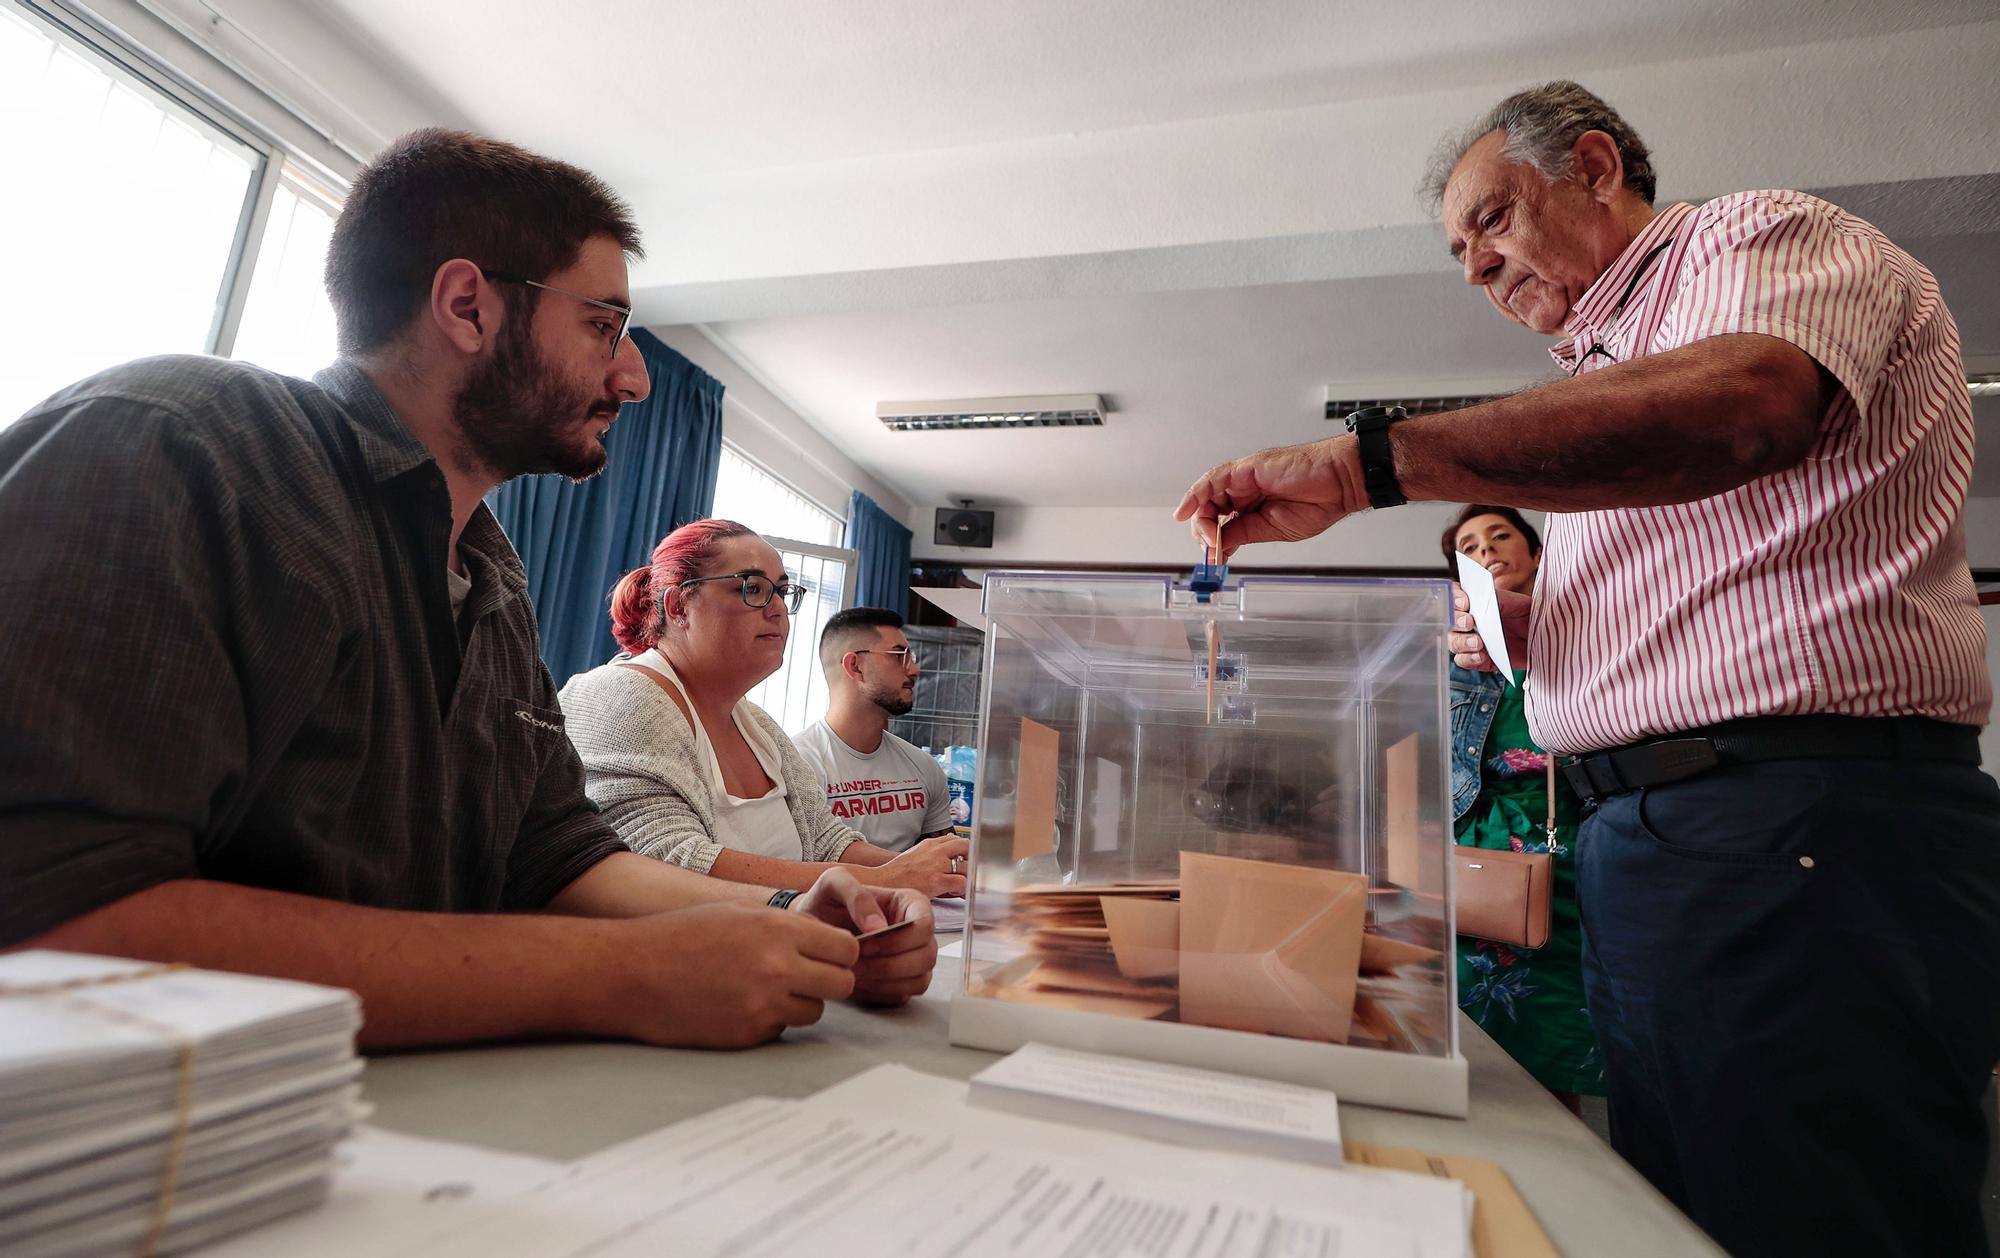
<point x="1478" y="583"/>
<point x="1179" y="1104"/>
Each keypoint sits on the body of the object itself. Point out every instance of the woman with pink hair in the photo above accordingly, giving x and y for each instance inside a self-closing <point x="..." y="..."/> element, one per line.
<point x="684" y="766"/>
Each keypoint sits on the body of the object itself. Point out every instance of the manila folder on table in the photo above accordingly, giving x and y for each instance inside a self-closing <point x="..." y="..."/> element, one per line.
<point x="1502" y="1224"/>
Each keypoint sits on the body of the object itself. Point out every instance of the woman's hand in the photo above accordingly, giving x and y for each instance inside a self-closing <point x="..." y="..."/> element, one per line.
<point x="1468" y="651"/>
<point x="934" y="867"/>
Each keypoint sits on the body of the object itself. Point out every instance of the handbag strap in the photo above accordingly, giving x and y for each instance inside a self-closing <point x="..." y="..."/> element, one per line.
<point x="1550" y="824"/>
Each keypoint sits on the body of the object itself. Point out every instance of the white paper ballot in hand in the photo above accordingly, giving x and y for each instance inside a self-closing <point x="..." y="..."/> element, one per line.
<point x="1478" y="583"/>
<point x="1180" y="1104"/>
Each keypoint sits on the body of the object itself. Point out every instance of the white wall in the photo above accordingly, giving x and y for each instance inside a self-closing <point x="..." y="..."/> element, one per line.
<point x="1982" y="523"/>
<point x="1404" y="537"/>
<point x="764" y="426"/>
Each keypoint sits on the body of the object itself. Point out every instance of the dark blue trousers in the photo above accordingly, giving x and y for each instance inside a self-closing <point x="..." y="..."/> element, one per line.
<point x="1793" y="970"/>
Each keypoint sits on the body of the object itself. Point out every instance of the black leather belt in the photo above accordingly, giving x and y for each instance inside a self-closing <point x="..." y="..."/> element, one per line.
<point x="1681" y="756"/>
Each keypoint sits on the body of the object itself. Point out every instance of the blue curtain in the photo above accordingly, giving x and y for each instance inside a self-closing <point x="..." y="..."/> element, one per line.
<point x="576" y="540"/>
<point x="883" y="578"/>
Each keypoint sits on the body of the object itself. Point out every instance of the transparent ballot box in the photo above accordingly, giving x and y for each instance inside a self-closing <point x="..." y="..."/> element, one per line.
<point x="1213" y="828"/>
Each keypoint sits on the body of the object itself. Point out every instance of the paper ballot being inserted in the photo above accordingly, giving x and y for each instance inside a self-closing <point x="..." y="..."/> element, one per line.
<point x="1478" y="583"/>
<point x="1179" y="1104"/>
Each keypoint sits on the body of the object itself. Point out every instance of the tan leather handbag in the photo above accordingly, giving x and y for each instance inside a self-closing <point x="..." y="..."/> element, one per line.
<point x="1504" y="896"/>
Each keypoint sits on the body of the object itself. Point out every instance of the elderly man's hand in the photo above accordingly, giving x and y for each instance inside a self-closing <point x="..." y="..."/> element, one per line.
<point x="896" y="966"/>
<point x="1282" y="495"/>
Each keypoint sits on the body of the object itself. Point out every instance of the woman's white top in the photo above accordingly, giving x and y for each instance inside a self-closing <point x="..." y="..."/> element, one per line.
<point x="654" y="775"/>
<point x="761" y="826"/>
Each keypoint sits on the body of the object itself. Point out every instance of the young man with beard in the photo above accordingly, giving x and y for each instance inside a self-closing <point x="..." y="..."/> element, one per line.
<point x="273" y="701"/>
<point x="876" y="782"/>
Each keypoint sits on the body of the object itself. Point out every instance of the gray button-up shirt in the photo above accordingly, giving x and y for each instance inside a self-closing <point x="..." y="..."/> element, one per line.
<point x="227" y="651"/>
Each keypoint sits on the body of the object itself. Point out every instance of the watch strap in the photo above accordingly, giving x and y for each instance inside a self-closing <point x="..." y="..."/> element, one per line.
<point x="1378" y="465"/>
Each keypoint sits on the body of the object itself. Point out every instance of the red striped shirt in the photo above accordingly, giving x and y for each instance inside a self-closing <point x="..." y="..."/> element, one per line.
<point x="1839" y="585"/>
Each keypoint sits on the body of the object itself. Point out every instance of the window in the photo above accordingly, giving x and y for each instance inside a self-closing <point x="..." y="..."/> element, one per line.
<point x="136" y="224"/>
<point x="808" y="536"/>
<point x="749" y="495"/>
<point x="796" y="694"/>
<point x="287" y="320"/>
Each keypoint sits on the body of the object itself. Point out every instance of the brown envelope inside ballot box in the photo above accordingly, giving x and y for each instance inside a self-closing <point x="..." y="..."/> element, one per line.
<point x="1270" y="948"/>
<point x="1118" y="948"/>
<point x="1070" y="956"/>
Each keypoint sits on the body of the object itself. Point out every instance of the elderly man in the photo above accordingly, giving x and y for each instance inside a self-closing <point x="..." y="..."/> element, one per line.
<point x="1755" y="638"/>
<point x="272" y="700"/>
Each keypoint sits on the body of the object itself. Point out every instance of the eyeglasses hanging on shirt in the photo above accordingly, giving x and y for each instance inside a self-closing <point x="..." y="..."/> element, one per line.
<point x="1631" y="285"/>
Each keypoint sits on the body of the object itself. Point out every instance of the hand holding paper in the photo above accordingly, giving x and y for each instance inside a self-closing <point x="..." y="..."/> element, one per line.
<point x="1499" y="621"/>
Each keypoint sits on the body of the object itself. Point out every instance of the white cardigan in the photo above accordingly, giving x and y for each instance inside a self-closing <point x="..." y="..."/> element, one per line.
<point x="643" y="769"/>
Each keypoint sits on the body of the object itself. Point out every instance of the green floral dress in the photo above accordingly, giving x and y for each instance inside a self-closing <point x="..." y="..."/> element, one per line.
<point x="1529" y="1000"/>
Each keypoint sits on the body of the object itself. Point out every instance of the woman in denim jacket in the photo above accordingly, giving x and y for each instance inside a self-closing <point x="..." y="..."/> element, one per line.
<point x="1529" y="1000"/>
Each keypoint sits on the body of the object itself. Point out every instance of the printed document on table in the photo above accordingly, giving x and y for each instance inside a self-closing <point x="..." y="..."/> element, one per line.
<point x="780" y="1178"/>
<point x="1439" y="1210"/>
<point x="1479" y="587"/>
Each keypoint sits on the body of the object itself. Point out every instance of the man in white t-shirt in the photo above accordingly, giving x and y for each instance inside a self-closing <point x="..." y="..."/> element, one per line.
<point x="876" y="782"/>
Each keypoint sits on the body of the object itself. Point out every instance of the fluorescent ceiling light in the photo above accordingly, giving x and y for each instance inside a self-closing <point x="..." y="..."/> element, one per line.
<point x="1059" y="410"/>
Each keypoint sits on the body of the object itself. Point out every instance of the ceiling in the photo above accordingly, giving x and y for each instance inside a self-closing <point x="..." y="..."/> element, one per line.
<point x="681" y="89"/>
<point x="1188" y="376"/>
<point x="1191" y="378"/>
<point x="1202" y="210"/>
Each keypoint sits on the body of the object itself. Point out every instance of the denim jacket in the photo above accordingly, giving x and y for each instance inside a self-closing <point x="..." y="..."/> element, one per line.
<point x="1475" y="701"/>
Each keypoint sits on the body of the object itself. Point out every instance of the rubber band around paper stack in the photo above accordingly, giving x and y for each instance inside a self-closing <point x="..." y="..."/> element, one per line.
<point x="149" y="1108"/>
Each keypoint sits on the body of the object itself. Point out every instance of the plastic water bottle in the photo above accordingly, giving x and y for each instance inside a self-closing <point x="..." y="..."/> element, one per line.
<point x="961" y="767"/>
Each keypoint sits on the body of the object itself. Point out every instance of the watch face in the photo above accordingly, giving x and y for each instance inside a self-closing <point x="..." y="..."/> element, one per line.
<point x="1388" y="414"/>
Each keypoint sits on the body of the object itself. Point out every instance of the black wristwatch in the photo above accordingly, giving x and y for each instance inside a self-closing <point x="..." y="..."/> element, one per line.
<point x="1378" y="467"/>
<point x="783" y="899"/>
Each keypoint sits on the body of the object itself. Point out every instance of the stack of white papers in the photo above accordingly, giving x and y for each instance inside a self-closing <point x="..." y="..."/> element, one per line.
<point x="89" y="1101"/>
<point x="1207" y="1109"/>
<point x="947" y="914"/>
<point x="897" y="1162"/>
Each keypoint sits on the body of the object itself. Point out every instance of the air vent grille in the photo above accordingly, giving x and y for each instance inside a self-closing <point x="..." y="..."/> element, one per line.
<point x="1341" y="408"/>
<point x="1072" y="410"/>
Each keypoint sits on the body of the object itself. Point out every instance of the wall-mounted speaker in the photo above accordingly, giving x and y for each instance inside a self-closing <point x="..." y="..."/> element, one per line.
<point x="962" y="526"/>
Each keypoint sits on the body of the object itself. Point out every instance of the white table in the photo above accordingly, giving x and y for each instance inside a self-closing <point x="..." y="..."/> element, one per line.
<point x="566" y="1100"/>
